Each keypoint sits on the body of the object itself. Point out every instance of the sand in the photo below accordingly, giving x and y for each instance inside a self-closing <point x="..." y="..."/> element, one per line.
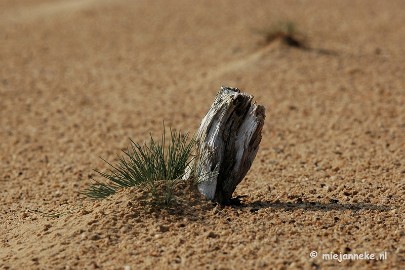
<point x="78" y="78"/>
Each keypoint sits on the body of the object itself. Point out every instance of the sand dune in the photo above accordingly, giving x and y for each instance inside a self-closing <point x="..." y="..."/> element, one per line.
<point x="77" y="78"/>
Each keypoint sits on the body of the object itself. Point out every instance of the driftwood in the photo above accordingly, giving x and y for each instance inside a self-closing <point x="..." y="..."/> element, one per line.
<point x="228" y="140"/>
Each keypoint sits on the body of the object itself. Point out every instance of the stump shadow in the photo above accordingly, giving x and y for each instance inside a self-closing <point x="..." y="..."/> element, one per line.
<point x="314" y="206"/>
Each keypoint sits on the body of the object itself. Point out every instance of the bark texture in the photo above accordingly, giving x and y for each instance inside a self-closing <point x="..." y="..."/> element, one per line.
<point x="228" y="140"/>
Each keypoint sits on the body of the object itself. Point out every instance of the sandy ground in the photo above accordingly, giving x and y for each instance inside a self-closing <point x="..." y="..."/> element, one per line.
<point x="78" y="77"/>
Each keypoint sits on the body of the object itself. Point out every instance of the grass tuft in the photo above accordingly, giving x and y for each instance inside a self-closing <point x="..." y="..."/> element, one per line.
<point x="286" y="31"/>
<point x="148" y="166"/>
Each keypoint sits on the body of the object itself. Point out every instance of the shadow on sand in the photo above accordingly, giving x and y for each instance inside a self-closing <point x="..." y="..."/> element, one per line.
<point x="334" y="205"/>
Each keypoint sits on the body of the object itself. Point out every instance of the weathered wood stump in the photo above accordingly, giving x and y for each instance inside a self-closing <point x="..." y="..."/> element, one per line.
<point x="228" y="140"/>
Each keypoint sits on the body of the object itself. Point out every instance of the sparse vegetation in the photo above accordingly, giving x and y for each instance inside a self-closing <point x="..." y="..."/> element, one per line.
<point x="286" y="31"/>
<point x="153" y="165"/>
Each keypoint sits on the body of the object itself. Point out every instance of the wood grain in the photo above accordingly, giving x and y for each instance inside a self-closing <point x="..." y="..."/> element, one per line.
<point x="228" y="140"/>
